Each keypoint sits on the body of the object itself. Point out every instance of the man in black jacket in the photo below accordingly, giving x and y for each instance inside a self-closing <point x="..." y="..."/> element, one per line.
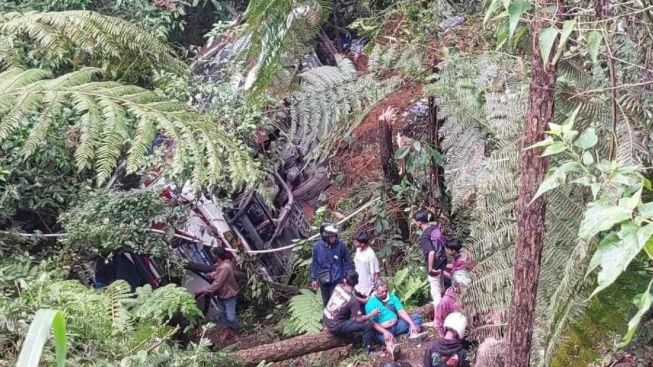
<point x="449" y="350"/>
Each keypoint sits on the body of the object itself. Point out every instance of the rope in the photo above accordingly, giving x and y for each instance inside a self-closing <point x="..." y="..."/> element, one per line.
<point x="197" y="240"/>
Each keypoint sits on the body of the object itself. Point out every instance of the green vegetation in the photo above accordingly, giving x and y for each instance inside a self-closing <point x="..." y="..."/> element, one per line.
<point x="99" y="97"/>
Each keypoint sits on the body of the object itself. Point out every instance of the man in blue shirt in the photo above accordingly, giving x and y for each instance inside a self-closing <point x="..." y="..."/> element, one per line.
<point x="331" y="261"/>
<point x="392" y="319"/>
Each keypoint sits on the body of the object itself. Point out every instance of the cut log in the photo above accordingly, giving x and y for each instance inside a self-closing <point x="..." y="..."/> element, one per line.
<point x="304" y="344"/>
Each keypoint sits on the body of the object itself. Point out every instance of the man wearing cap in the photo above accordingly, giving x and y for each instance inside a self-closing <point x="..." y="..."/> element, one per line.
<point x="449" y="350"/>
<point x="367" y="265"/>
<point x="331" y="261"/>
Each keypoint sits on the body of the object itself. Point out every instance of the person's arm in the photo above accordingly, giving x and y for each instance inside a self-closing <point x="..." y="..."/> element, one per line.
<point x="315" y="268"/>
<point x="375" y="267"/>
<point x="346" y="260"/>
<point x="404" y="315"/>
<point x="430" y="262"/>
<point x="220" y="276"/>
<point x="440" y="259"/>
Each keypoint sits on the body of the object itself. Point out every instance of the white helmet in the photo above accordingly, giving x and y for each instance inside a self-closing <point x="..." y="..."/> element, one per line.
<point x="461" y="278"/>
<point x="457" y="322"/>
<point x="330" y="229"/>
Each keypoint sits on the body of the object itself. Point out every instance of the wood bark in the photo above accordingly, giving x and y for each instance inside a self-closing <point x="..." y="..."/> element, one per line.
<point x="530" y="216"/>
<point x="390" y="172"/>
<point x="303" y="344"/>
<point x="436" y="182"/>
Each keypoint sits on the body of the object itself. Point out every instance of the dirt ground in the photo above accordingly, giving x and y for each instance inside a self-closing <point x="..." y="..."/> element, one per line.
<point x="358" y="161"/>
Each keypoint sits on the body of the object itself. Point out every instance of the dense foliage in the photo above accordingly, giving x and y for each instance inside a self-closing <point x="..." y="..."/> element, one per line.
<point x="100" y="98"/>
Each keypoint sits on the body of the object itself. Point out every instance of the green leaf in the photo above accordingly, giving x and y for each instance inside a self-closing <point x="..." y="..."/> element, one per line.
<point x="37" y="335"/>
<point x="494" y="5"/>
<point x="588" y="159"/>
<point x="552" y="180"/>
<point x="555" y="148"/>
<point x="599" y="217"/>
<point x="643" y="303"/>
<point x="547" y="38"/>
<point x="587" y="139"/>
<point x="594" y="39"/>
<point x="515" y="10"/>
<point x="646" y="209"/>
<point x="502" y="35"/>
<point x="402" y="152"/>
<point x="632" y="202"/>
<point x="567" y="28"/>
<point x="546" y="142"/>
<point x="616" y="257"/>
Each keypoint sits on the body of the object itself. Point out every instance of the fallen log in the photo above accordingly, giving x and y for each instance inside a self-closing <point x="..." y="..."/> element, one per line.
<point x="303" y="344"/>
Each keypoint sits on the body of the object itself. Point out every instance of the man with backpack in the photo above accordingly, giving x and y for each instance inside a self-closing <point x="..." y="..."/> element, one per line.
<point x="432" y="243"/>
<point x="449" y="350"/>
<point x="331" y="262"/>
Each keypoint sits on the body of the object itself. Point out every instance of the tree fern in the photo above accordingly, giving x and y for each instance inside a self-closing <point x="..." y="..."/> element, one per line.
<point x="119" y="293"/>
<point x="275" y="28"/>
<point x="118" y="120"/>
<point x="164" y="302"/>
<point x="404" y="60"/>
<point x="328" y="104"/>
<point x="305" y="313"/>
<point x="117" y="45"/>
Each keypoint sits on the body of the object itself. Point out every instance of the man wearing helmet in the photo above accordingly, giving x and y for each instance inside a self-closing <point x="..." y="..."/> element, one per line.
<point x="331" y="261"/>
<point x="450" y="302"/>
<point x="448" y="350"/>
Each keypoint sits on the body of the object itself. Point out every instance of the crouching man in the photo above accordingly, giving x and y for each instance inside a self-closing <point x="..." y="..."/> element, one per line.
<point x="343" y="316"/>
<point x="392" y="320"/>
<point x="449" y="351"/>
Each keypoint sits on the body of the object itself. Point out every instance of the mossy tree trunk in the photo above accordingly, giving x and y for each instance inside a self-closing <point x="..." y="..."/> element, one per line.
<point x="530" y="215"/>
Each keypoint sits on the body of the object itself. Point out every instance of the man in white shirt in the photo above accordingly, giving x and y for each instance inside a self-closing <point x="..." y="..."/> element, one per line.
<point x="366" y="264"/>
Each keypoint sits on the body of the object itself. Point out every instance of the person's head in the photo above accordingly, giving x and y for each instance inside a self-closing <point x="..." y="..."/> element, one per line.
<point x="456" y="323"/>
<point x="461" y="280"/>
<point x="329" y="234"/>
<point x="219" y="253"/>
<point x="351" y="279"/>
<point x="421" y="218"/>
<point x="452" y="247"/>
<point x="381" y="288"/>
<point x="362" y="239"/>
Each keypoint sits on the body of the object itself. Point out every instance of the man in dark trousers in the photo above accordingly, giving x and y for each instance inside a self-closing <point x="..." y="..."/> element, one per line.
<point x="343" y="316"/>
<point x="331" y="261"/>
<point x="449" y="351"/>
<point x="224" y="286"/>
<point x="431" y="242"/>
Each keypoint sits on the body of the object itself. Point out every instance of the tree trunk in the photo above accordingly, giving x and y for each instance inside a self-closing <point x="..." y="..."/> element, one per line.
<point x="390" y="172"/>
<point x="303" y="344"/>
<point x="436" y="183"/>
<point x="530" y="216"/>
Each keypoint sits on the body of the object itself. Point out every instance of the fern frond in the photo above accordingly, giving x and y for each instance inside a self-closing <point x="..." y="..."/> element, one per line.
<point x="119" y="293"/>
<point x="275" y="27"/>
<point x="117" y="120"/>
<point x="305" y="313"/>
<point x="106" y="41"/>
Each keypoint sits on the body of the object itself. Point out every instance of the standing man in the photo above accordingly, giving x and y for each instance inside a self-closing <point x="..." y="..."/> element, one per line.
<point x="331" y="261"/>
<point x="432" y="243"/>
<point x="343" y="316"/>
<point x="367" y="266"/>
<point x="225" y="287"/>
